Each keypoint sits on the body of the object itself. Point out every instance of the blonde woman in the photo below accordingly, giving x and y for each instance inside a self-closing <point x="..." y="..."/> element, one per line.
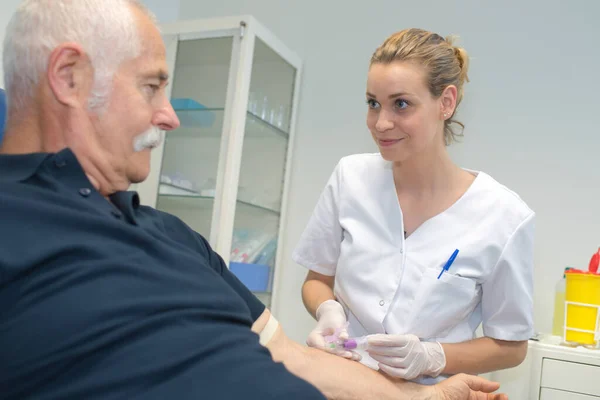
<point x="411" y="249"/>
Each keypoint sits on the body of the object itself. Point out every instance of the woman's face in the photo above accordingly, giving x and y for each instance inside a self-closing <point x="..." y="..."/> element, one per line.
<point x="403" y="117"/>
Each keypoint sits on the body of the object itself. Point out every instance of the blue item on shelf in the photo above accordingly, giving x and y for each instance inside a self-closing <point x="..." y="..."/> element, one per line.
<point x="191" y="113"/>
<point x="186" y="104"/>
<point x="254" y="276"/>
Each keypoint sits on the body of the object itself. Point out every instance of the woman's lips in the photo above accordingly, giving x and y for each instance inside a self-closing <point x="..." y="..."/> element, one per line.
<point x="388" y="142"/>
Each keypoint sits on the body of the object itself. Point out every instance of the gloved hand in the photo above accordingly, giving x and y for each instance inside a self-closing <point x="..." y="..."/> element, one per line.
<point x="405" y="356"/>
<point x="331" y="318"/>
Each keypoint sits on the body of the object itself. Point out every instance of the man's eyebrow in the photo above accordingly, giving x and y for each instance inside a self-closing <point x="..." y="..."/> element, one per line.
<point x="162" y="76"/>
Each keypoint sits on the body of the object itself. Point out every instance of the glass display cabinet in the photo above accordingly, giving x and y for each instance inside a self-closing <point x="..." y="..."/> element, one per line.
<point x="224" y="171"/>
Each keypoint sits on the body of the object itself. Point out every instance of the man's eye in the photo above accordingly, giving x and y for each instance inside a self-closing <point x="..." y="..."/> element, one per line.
<point x="153" y="88"/>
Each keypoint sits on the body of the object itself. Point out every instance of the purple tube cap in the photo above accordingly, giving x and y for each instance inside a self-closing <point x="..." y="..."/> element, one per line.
<point x="350" y="344"/>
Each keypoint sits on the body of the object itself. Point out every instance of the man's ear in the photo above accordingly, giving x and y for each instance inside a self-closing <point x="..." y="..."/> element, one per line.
<point x="70" y="74"/>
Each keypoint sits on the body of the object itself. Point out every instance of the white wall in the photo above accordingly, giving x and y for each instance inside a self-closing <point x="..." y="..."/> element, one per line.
<point x="166" y="11"/>
<point x="7" y="8"/>
<point x="529" y="109"/>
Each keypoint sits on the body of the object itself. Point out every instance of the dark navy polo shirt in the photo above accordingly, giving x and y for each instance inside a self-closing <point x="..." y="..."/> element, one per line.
<point x="113" y="300"/>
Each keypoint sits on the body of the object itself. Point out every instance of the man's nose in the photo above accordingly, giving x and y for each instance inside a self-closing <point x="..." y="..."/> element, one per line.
<point x="166" y="118"/>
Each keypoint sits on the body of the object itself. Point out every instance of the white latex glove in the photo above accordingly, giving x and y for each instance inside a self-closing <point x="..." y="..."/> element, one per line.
<point x="405" y="356"/>
<point x="331" y="318"/>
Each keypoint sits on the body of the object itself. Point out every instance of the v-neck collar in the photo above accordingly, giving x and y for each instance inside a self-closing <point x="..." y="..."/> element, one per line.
<point x="478" y="177"/>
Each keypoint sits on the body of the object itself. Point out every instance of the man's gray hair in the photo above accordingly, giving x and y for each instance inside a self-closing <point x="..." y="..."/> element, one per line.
<point x="106" y="29"/>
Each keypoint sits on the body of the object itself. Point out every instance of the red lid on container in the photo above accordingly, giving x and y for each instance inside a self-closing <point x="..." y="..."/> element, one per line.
<point x="576" y="271"/>
<point x="594" y="262"/>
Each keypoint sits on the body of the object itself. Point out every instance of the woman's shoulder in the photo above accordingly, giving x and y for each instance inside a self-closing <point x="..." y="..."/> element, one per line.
<point x="363" y="162"/>
<point x="503" y="200"/>
<point x="362" y="173"/>
<point x="494" y="213"/>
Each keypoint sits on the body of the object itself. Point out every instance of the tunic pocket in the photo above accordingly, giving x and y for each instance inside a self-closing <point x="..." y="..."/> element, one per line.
<point x="440" y="304"/>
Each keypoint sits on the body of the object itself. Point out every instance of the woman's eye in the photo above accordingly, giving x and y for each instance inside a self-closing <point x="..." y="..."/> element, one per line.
<point x="372" y="103"/>
<point x="401" y="104"/>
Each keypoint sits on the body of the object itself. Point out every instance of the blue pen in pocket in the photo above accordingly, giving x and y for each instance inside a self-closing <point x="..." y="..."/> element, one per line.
<point x="448" y="263"/>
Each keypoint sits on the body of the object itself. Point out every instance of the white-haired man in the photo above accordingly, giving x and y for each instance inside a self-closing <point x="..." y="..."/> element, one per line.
<point x="101" y="297"/>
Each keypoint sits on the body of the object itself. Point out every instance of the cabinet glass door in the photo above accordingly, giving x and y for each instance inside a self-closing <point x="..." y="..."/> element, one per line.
<point x="191" y="153"/>
<point x="262" y="172"/>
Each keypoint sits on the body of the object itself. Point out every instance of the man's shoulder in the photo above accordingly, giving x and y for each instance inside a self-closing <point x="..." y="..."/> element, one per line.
<point x="177" y="228"/>
<point x="17" y="197"/>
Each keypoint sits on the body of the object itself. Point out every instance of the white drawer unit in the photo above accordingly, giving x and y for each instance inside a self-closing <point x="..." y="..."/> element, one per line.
<point x="571" y="376"/>
<point x="552" y="394"/>
<point x="553" y="372"/>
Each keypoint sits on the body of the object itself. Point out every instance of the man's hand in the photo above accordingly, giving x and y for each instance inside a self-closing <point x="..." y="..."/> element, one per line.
<point x="466" y="387"/>
<point x="405" y="356"/>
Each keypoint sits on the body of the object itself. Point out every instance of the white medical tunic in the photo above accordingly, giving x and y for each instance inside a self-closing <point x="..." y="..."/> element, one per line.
<point x="389" y="284"/>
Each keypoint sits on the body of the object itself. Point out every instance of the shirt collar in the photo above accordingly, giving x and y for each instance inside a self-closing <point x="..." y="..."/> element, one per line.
<point x="19" y="167"/>
<point x="127" y="203"/>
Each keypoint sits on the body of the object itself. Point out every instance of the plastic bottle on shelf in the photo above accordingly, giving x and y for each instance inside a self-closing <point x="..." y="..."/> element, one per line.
<point x="264" y="112"/>
<point x="267" y="253"/>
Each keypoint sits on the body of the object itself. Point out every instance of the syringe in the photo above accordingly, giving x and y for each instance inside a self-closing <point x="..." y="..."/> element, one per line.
<point x="357" y="343"/>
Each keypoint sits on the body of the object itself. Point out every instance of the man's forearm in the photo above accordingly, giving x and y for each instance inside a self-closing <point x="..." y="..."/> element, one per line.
<point x="338" y="378"/>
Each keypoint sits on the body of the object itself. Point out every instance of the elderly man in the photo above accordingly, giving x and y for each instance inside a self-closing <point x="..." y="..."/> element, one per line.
<point x="101" y="297"/>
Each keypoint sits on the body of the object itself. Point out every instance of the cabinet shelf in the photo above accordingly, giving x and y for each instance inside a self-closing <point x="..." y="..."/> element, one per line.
<point x="208" y="123"/>
<point x="187" y="198"/>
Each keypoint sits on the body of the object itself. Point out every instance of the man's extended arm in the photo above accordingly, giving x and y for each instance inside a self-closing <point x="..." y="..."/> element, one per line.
<point x="338" y="378"/>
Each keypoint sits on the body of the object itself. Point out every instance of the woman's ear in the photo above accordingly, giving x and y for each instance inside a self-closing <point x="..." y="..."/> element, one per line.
<point x="448" y="101"/>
